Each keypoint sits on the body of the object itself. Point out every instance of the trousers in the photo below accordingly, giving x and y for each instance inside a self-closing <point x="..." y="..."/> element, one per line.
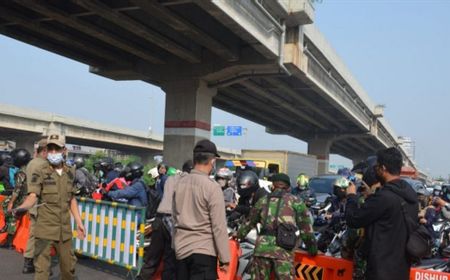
<point x="262" y="268"/>
<point x="42" y="259"/>
<point x="160" y="249"/>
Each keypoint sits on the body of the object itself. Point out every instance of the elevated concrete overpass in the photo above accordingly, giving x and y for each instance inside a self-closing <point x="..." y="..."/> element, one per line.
<point x="262" y="60"/>
<point x="26" y="127"/>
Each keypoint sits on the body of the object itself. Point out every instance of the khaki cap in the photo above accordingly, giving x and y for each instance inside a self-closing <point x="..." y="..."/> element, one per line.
<point x="59" y="140"/>
<point x="42" y="143"/>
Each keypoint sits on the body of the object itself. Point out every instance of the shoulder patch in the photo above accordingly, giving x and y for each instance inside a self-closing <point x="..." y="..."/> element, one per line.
<point x="34" y="178"/>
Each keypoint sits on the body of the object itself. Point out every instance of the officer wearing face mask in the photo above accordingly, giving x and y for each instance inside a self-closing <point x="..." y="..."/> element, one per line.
<point x="52" y="186"/>
<point x="200" y="231"/>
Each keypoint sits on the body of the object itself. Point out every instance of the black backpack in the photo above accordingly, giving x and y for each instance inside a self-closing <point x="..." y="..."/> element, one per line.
<point x="153" y="202"/>
<point x="419" y="242"/>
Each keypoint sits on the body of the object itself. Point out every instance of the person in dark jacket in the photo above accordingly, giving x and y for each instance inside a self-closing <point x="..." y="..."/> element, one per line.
<point x="249" y="193"/>
<point x="382" y="217"/>
<point x="136" y="193"/>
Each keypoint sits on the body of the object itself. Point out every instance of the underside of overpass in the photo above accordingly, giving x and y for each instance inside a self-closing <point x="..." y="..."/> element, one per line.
<point x="227" y="54"/>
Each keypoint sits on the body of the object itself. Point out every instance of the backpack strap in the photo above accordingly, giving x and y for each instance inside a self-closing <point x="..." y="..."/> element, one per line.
<point x="280" y="198"/>
<point x="408" y="220"/>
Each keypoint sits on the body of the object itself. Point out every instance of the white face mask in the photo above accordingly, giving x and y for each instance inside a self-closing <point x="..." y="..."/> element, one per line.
<point x="213" y="167"/>
<point x="55" y="159"/>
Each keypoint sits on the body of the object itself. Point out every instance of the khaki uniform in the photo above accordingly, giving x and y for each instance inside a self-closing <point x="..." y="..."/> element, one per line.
<point x="31" y="167"/>
<point x="53" y="225"/>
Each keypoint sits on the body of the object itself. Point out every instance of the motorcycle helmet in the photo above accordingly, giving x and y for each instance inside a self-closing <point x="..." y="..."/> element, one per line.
<point x="224" y="173"/>
<point x="369" y="176"/>
<point x="344" y="172"/>
<point x="223" y="176"/>
<point x="171" y="171"/>
<point x="133" y="170"/>
<point x="5" y="158"/>
<point x="20" y="157"/>
<point x="302" y="181"/>
<point x="437" y="190"/>
<point x="106" y="164"/>
<point x="339" y="187"/>
<point x="79" y="161"/>
<point x="423" y="196"/>
<point x="247" y="183"/>
<point x="446" y="192"/>
<point x="118" y="166"/>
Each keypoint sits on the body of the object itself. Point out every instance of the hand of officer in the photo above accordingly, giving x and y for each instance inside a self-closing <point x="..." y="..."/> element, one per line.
<point x="10" y="207"/>
<point x="81" y="231"/>
<point x="18" y="212"/>
<point x="351" y="188"/>
<point x="224" y="267"/>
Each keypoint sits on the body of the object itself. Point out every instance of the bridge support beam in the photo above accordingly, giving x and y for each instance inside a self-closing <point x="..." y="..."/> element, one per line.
<point x="321" y="149"/>
<point x="26" y="143"/>
<point x="187" y="118"/>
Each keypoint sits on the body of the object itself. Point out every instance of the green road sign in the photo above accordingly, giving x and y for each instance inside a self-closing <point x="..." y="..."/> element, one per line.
<point x="219" y="130"/>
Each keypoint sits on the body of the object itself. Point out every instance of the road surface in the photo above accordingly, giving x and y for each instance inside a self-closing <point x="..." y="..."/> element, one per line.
<point x="11" y="264"/>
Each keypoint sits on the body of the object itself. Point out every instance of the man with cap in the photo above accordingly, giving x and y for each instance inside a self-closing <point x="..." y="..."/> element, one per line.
<point x="198" y="210"/>
<point x="40" y="157"/>
<point x="277" y="210"/>
<point x="52" y="184"/>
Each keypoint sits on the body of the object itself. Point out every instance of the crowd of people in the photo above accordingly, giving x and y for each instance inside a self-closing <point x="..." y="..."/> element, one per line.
<point x="197" y="209"/>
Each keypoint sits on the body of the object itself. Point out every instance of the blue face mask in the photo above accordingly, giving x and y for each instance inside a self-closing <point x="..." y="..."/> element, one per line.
<point x="55" y="159"/>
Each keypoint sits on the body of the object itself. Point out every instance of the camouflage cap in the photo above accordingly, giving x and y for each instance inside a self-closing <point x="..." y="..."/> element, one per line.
<point x="59" y="140"/>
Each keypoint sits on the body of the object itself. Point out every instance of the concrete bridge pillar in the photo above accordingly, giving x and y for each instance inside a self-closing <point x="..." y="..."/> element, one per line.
<point x="27" y="142"/>
<point x="321" y="149"/>
<point x="187" y="118"/>
<point x="358" y="158"/>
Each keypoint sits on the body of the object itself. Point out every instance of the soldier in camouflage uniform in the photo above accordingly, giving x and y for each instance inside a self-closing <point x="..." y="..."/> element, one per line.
<point x="268" y="257"/>
<point x="20" y="158"/>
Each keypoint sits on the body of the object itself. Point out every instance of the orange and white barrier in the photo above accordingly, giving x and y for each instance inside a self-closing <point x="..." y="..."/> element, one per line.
<point x="321" y="267"/>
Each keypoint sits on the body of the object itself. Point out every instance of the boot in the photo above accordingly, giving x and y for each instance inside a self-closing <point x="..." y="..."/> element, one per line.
<point x="28" y="266"/>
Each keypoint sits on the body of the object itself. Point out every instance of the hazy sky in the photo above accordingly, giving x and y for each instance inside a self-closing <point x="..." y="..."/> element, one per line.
<point x="398" y="51"/>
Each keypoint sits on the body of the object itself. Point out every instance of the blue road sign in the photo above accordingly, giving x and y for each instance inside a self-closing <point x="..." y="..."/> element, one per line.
<point x="234" y="130"/>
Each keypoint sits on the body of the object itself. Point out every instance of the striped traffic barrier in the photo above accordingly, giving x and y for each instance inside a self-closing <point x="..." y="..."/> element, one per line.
<point x="112" y="233"/>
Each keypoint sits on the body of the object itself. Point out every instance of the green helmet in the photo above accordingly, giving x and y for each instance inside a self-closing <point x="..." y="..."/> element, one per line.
<point x="302" y="181"/>
<point x="341" y="182"/>
<point x="171" y="171"/>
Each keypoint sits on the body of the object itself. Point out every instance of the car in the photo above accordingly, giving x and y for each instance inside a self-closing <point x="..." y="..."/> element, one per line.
<point x="322" y="186"/>
<point x="417" y="185"/>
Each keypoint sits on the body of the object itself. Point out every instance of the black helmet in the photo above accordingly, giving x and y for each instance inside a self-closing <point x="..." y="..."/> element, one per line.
<point x="133" y="170"/>
<point x="5" y="158"/>
<point x="247" y="183"/>
<point x="106" y="164"/>
<point x="20" y="157"/>
<point x="369" y="176"/>
<point x="118" y="166"/>
<point x="79" y="161"/>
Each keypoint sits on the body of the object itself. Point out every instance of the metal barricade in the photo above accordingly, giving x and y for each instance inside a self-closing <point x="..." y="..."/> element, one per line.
<point x="114" y="233"/>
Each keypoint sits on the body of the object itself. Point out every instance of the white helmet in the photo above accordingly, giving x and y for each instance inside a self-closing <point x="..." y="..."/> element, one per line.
<point x="224" y="173"/>
<point x="153" y="172"/>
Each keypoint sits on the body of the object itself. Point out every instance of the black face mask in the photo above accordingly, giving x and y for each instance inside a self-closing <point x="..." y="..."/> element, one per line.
<point x="340" y="193"/>
<point x="379" y="177"/>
